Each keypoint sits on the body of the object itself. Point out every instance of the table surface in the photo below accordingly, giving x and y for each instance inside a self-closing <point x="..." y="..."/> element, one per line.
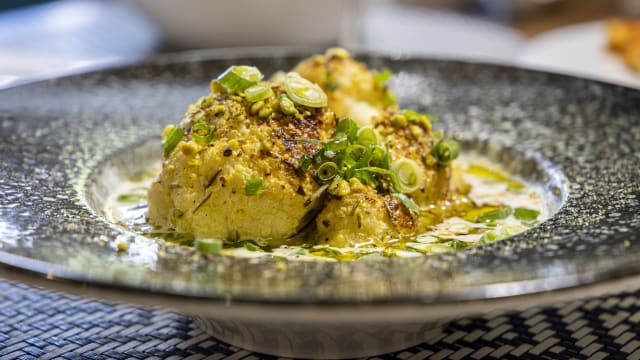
<point x="42" y="324"/>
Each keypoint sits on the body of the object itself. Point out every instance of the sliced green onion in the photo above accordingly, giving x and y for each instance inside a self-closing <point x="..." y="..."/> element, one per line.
<point x="202" y="134"/>
<point x="365" y="177"/>
<point x="379" y="158"/>
<point x="250" y="246"/>
<point x="377" y="170"/>
<point x="208" y="246"/>
<point x="357" y="154"/>
<point x="382" y="77"/>
<point x="349" y="128"/>
<point x="498" y="214"/>
<point x="286" y="105"/>
<point x="237" y="79"/>
<point x="409" y="175"/>
<point x="337" y="143"/>
<point x="389" y="98"/>
<point x="329" y="154"/>
<point x="327" y="171"/>
<point x="173" y="138"/>
<point x="526" y="214"/>
<point x="414" y="116"/>
<point x="310" y="141"/>
<point x="367" y="136"/>
<point x="387" y="156"/>
<point x="303" y="91"/>
<point x="131" y="198"/>
<point x="278" y="77"/>
<point x="417" y="118"/>
<point x="253" y="187"/>
<point x="305" y="162"/>
<point x="330" y="81"/>
<point x="502" y="233"/>
<point x="407" y="201"/>
<point x="258" y="92"/>
<point x="446" y="151"/>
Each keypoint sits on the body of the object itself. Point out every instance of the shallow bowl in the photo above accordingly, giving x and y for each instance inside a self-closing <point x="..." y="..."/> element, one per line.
<point x="67" y="141"/>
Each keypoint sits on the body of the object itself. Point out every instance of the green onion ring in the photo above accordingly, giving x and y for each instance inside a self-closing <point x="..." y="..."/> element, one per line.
<point x="173" y="138"/>
<point x="202" y="134"/>
<point x="258" y="92"/>
<point x="498" y="214"/>
<point x="367" y="136"/>
<point x="355" y="152"/>
<point x="526" y="214"/>
<point x="208" y="246"/>
<point x="409" y="175"/>
<point x="286" y="105"/>
<point x="303" y="91"/>
<point x="446" y="151"/>
<point x="237" y="79"/>
<point x="327" y="171"/>
<point x="253" y="187"/>
<point x="349" y="128"/>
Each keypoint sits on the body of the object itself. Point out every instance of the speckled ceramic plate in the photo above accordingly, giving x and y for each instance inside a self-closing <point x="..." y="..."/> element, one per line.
<point x="66" y="142"/>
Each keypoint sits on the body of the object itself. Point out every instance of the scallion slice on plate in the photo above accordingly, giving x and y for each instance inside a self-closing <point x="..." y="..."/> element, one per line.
<point x="238" y="78"/>
<point x="208" y="246"/>
<point x="258" y="92"/>
<point x="409" y="175"/>
<point x="303" y="91"/>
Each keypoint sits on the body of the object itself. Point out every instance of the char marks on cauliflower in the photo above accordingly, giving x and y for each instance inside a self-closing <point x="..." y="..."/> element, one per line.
<point x="270" y="162"/>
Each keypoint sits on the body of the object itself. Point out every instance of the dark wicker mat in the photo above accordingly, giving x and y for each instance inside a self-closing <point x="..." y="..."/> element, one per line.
<point x="41" y="324"/>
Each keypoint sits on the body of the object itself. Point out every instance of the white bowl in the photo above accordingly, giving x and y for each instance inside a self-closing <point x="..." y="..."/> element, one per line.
<point x="218" y="23"/>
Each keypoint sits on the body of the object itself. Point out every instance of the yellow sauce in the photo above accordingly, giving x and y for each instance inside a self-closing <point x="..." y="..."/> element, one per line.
<point x="454" y="224"/>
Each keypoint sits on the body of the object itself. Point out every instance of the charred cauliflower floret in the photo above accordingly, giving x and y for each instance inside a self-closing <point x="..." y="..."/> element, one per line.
<point x="353" y="90"/>
<point x="270" y="162"/>
<point x="363" y="217"/>
<point x="231" y="168"/>
<point x="409" y="135"/>
<point x="386" y="182"/>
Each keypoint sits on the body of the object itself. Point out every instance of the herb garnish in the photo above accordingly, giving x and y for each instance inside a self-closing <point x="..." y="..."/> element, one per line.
<point x="357" y="152"/>
<point x="253" y="187"/>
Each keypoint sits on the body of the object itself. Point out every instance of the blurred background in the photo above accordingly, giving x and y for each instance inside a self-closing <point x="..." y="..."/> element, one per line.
<point x="39" y="39"/>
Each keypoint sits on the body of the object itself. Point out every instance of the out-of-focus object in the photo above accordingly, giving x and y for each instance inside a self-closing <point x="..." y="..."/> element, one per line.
<point x="221" y="23"/>
<point x="580" y="50"/>
<point x="506" y="10"/>
<point x="413" y="29"/>
<point x="71" y="36"/>
<point x="624" y="39"/>
<point x="630" y="7"/>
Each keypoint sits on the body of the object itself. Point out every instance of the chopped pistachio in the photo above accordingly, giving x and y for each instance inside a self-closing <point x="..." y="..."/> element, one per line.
<point x="356" y="185"/>
<point x="256" y="107"/>
<point x="188" y="148"/>
<point x="219" y="110"/>
<point x="399" y="120"/>
<point x="416" y="131"/>
<point x="265" y="112"/>
<point x="287" y="106"/>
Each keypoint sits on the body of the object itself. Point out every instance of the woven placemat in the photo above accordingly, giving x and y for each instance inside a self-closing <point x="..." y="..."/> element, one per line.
<point x="42" y="324"/>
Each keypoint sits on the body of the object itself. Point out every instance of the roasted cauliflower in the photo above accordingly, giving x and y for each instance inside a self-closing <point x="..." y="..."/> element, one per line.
<point x="353" y="90"/>
<point x="290" y="161"/>
<point x="234" y="174"/>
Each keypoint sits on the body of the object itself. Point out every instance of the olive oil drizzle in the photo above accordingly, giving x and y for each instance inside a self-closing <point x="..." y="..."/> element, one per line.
<point x="453" y="224"/>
